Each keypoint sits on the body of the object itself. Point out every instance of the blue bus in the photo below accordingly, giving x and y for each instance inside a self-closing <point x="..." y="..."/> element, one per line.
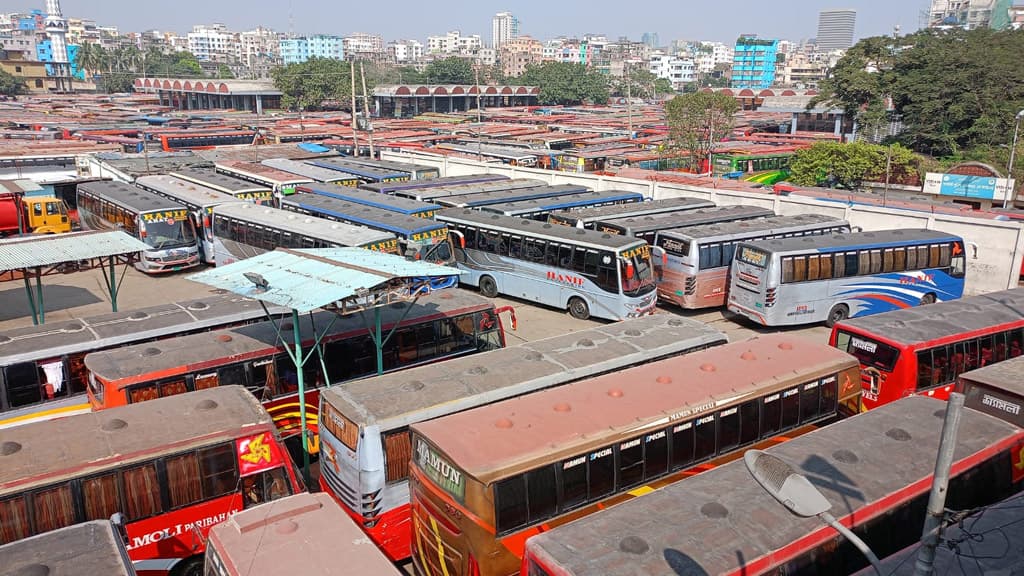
<point x="802" y="280"/>
<point x="392" y="187"/>
<point x="406" y="206"/>
<point x="539" y="208"/>
<point x="434" y="194"/>
<point x="502" y="196"/>
<point x="366" y="174"/>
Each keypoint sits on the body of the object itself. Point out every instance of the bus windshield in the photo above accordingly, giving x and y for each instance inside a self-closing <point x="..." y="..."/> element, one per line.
<point x="642" y="280"/>
<point x="753" y="256"/>
<point x="164" y="234"/>
<point x="869" y="352"/>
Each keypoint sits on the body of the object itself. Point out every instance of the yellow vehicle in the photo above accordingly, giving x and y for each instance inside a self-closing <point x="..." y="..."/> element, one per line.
<point x="36" y="214"/>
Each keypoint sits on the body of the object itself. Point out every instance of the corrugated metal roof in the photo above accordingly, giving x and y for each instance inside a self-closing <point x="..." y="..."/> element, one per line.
<point x="32" y="251"/>
<point x="312" y="278"/>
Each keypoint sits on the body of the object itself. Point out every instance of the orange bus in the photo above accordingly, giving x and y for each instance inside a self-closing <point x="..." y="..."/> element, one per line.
<point x="484" y="480"/>
<point x="300" y="534"/>
<point x="171" y="469"/>
<point x="443" y="325"/>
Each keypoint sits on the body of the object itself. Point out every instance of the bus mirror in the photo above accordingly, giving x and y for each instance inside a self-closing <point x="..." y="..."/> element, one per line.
<point x="629" y="271"/>
<point x="511" y="314"/>
<point x="117" y="519"/>
<point x="660" y="256"/>
<point x="457" y="234"/>
<point x="974" y="250"/>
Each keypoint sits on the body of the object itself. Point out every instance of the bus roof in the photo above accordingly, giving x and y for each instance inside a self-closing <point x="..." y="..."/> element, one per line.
<point x="362" y="214"/>
<point x="137" y="362"/>
<point x="668" y="220"/>
<point x="633" y="209"/>
<point x="1003" y="375"/>
<point x="501" y="196"/>
<point x="40" y="453"/>
<point x="433" y="194"/>
<point x="722" y="522"/>
<point x="87" y="548"/>
<point x="537" y="229"/>
<point x="326" y="230"/>
<point x="460" y="383"/>
<point x="218" y="181"/>
<point x="766" y="225"/>
<point x="304" y="533"/>
<point x="921" y="324"/>
<point x="357" y="169"/>
<point x="259" y="173"/>
<point x="377" y="200"/>
<point x="408" y="167"/>
<point x="83" y="334"/>
<point x="520" y="432"/>
<point x="562" y="202"/>
<point x="387" y="187"/>
<point x="308" y="170"/>
<point x="128" y="196"/>
<point x="876" y="238"/>
<point x="184" y="191"/>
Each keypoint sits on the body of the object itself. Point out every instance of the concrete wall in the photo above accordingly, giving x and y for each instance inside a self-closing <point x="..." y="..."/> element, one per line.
<point x="995" y="248"/>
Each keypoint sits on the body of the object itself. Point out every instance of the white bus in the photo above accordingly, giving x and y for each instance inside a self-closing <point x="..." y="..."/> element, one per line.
<point x="830" y="278"/>
<point x="586" y="217"/>
<point x="235" y="187"/>
<point x="695" y="270"/>
<point x="199" y="200"/>
<point x="243" y="230"/>
<point x="584" y="271"/>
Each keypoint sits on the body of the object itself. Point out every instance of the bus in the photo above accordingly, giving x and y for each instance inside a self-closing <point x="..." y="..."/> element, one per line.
<point x="694" y="272"/>
<point x="365" y="174"/>
<point x="449" y="324"/>
<point x="484" y="480"/>
<point x="199" y="200"/>
<point x="365" y="437"/>
<point x="398" y="204"/>
<point x="316" y="173"/>
<point x="875" y="469"/>
<point x="164" y="225"/>
<point x="171" y="468"/>
<point x="478" y="199"/>
<point x="434" y="194"/>
<point x="922" y="350"/>
<point x="415" y="171"/>
<point x="94" y="547"/>
<point x="300" y="534"/>
<point x="42" y="368"/>
<point x="235" y="187"/>
<point x="191" y="140"/>
<point x="393" y="187"/>
<point x="996" y="390"/>
<point x="418" y="238"/>
<point x="282" y="183"/>
<point x="586" y="217"/>
<point x="647" y="226"/>
<point x="584" y="271"/>
<point x="245" y="230"/>
<point x="788" y="281"/>
<point x="539" y="208"/>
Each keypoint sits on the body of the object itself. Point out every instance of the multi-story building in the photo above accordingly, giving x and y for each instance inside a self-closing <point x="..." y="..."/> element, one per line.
<point x="707" y="55"/>
<point x="44" y="54"/>
<point x="835" y="29"/>
<point x="363" y="45"/>
<point x="650" y="39"/>
<point x="753" y="62"/>
<point x="301" y="48"/>
<point x="260" y="51"/>
<point x="678" y="71"/>
<point x="454" y="43"/>
<point x="971" y="14"/>
<point x="517" y="53"/>
<point x="806" y="68"/>
<point x="214" y="43"/>
<point x="504" y="27"/>
<point x="82" y="31"/>
<point x="405" y="51"/>
<point x="18" y="45"/>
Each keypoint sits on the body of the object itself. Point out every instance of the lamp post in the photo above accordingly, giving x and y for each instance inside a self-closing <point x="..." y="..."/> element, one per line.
<point x="1013" y="152"/>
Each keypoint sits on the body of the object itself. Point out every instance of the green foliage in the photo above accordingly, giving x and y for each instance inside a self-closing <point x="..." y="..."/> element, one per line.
<point x="642" y="84"/>
<point x="311" y="84"/>
<point x="566" y="83"/>
<point x="452" y="70"/>
<point x="224" y="72"/>
<point x="847" y="165"/>
<point x="11" y="85"/>
<point x="697" y="120"/>
<point x="112" y="83"/>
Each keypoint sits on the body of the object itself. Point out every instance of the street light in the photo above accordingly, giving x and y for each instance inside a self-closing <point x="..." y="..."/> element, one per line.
<point x="1013" y="152"/>
<point x="799" y="496"/>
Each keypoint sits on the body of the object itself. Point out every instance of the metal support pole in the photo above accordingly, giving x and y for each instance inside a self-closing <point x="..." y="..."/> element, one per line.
<point x="888" y="172"/>
<point x="853" y="539"/>
<point x="297" y="359"/>
<point x="39" y="295"/>
<point x="113" y="286"/>
<point x="28" y="291"/>
<point x="925" y="563"/>
<point x="379" y="338"/>
<point x="1013" y="155"/>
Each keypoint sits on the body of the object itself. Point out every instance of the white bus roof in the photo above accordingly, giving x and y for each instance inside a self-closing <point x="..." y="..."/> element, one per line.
<point x="327" y="230"/>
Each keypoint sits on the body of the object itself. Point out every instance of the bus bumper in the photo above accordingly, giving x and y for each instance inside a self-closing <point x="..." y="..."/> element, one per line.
<point x="157" y="266"/>
<point x="747" y="313"/>
<point x="644" y="308"/>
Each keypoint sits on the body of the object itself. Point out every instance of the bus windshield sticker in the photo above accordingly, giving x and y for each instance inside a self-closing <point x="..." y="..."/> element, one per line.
<point x="865" y="345"/>
<point x="257" y="453"/>
<point x="440" y="471"/>
<point x="753" y="257"/>
<point x="169" y="216"/>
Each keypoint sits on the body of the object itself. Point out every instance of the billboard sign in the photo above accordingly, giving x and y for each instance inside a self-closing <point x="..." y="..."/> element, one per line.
<point x="963" y="186"/>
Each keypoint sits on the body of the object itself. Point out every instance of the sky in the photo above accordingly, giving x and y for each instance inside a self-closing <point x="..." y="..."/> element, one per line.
<point x="715" y="20"/>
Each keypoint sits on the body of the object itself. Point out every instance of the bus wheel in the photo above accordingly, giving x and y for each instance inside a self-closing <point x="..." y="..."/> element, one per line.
<point x="578" y="308"/>
<point x="837" y="314"/>
<point x="927" y="299"/>
<point x="190" y="567"/>
<point x="488" y="287"/>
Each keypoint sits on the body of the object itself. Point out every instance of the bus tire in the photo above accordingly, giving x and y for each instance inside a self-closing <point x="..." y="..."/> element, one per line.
<point x="578" y="308"/>
<point x="928" y="299"/>
<point x="837" y="314"/>
<point x="189" y="567"/>
<point x="488" y="287"/>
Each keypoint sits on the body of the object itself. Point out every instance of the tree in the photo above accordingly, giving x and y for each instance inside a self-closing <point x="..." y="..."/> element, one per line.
<point x="452" y="70"/>
<point x="224" y="72"/>
<point x="91" y="58"/>
<point x="11" y="85"/>
<point x="566" y="83"/>
<point x="846" y="166"/>
<point x="642" y="84"/>
<point x="697" y="120"/>
<point x="310" y="84"/>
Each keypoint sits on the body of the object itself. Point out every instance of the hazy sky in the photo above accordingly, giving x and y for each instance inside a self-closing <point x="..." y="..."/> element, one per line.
<point x="720" y="20"/>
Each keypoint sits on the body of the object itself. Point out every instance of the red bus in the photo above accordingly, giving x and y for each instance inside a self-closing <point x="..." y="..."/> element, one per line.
<point x="444" y="325"/>
<point x="171" y="469"/>
<point x="922" y="350"/>
<point x="874" y="468"/>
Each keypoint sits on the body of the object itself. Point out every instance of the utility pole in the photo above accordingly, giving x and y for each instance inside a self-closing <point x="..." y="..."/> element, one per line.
<point x="479" y="121"/>
<point x="888" y="170"/>
<point x="629" y="99"/>
<point x="366" y="108"/>
<point x="352" y="75"/>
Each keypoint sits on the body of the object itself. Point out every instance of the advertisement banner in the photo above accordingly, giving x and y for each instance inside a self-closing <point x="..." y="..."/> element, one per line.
<point x="962" y="186"/>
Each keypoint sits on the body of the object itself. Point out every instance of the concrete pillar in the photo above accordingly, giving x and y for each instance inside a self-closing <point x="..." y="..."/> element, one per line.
<point x="259" y="104"/>
<point x="793" y="123"/>
<point x="415" y="106"/>
<point x="839" y="125"/>
<point x="433" y="103"/>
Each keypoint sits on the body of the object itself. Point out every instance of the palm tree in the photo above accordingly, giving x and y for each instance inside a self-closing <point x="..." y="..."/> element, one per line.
<point x="91" y="58"/>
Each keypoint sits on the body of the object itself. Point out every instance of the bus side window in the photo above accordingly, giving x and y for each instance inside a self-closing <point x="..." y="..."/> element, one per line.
<point x="23" y="384"/>
<point x="53" y="508"/>
<point x="899" y="259"/>
<point x="787" y="270"/>
<point x="851" y="264"/>
<point x="551" y="255"/>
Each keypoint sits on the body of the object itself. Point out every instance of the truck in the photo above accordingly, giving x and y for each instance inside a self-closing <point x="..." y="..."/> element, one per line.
<point x="21" y="214"/>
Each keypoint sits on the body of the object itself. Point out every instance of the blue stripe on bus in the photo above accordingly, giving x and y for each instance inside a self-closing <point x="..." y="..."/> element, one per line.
<point x="427" y="227"/>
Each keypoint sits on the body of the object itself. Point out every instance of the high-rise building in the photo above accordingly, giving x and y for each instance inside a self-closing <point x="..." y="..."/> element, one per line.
<point x="504" y="27"/>
<point x="650" y="39"/>
<point x="56" y="32"/>
<point x="302" y="48"/>
<point x="364" y="45"/>
<point x="835" y="29"/>
<point x="214" y="43"/>
<point x="970" y="14"/>
<point x="753" y="62"/>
